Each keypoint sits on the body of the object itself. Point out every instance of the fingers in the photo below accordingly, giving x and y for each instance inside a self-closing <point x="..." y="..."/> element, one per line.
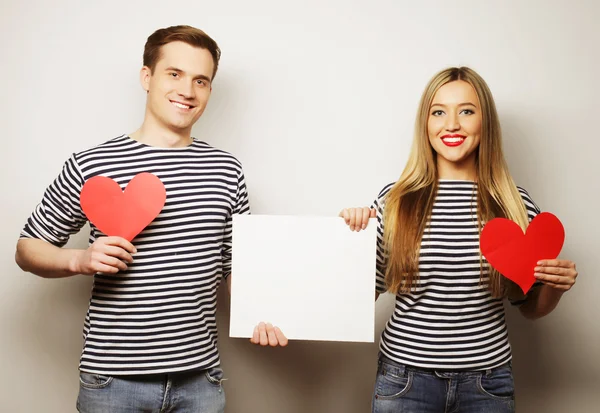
<point x="107" y="255"/>
<point x="555" y="279"/>
<point x="268" y="335"/>
<point x="255" y="336"/>
<point x="105" y="269"/>
<point x="357" y="218"/>
<point x="113" y="262"/>
<point x="103" y="256"/>
<point x="345" y="214"/>
<point x="553" y="270"/>
<point x="120" y="242"/>
<point x="283" y="341"/>
<point x="352" y="222"/>
<point x="119" y="253"/>
<point x="271" y="335"/>
<point x="563" y="287"/>
<point x="262" y="333"/>
<point x="557" y="263"/>
<point x="366" y="213"/>
<point x="558" y="274"/>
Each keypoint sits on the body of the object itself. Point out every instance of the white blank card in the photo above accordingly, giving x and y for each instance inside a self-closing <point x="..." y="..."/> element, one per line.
<point x="310" y="276"/>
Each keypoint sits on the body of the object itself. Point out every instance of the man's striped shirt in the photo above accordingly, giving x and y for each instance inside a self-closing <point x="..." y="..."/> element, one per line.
<point x="160" y="314"/>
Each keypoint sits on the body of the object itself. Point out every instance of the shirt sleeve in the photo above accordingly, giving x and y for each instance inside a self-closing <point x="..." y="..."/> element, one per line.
<point x="241" y="206"/>
<point x="381" y="258"/>
<point x="532" y="211"/>
<point x="59" y="214"/>
<point x="382" y="255"/>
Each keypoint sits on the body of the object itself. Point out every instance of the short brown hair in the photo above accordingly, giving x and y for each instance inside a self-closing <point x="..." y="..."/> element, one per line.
<point x="187" y="34"/>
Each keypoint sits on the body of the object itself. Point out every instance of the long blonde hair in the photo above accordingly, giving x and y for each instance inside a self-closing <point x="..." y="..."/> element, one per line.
<point x="409" y="202"/>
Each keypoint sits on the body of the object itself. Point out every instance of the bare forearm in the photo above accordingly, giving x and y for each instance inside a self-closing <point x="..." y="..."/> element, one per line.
<point x="46" y="260"/>
<point x="541" y="302"/>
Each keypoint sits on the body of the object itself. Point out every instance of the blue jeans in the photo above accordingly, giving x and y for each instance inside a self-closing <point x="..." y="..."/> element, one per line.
<point x="187" y="392"/>
<point x="405" y="389"/>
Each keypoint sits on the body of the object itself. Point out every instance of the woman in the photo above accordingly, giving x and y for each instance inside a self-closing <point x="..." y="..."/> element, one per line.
<point x="445" y="347"/>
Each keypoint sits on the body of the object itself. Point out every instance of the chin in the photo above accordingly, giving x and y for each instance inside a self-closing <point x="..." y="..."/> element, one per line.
<point x="452" y="157"/>
<point x="180" y="125"/>
<point x="458" y="159"/>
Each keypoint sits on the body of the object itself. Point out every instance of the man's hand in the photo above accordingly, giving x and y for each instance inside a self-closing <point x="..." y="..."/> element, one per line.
<point x="266" y="334"/>
<point x="108" y="255"/>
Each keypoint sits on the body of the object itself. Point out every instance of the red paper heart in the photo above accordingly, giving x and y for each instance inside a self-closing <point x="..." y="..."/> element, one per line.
<point x="515" y="254"/>
<point x="123" y="213"/>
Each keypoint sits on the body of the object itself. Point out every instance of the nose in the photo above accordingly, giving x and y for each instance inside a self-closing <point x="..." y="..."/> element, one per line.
<point x="452" y="122"/>
<point x="186" y="90"/>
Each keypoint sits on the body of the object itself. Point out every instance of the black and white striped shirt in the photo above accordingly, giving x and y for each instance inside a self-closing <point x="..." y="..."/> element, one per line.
<point x="159" y="315"/>
<point x="451" y="321"/>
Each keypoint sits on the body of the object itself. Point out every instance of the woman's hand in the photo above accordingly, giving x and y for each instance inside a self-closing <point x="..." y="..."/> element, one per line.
<point x="558" y="274"/>
<point x="357" y="218"/>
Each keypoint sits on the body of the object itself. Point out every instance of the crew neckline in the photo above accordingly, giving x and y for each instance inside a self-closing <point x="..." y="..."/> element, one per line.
<point x="180" y="148"/>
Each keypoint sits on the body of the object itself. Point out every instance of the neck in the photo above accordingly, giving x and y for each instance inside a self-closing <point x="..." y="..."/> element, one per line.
<point x="463" y="171"/>
<point x="154" y="133"/>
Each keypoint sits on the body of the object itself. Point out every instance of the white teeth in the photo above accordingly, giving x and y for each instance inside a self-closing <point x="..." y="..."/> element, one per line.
<point x="179" y="105"/>
<point x="453" y="140"/>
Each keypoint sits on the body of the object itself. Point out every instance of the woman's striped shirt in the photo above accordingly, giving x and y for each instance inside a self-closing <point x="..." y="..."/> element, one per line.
<point x="450" y="321"/>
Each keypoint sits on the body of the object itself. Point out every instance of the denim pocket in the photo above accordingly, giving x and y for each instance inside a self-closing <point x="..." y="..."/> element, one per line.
<point x="214" y="376"/>
<point x="392" y="381"/>
<point x="94" y="381"/>
<point x="498" y="384"/>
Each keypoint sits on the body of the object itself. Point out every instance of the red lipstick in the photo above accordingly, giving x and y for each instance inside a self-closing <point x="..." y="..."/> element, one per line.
<point x="453" y="139"/>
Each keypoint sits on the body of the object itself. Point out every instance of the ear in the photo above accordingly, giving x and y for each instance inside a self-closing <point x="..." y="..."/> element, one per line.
<point x="145" y="75"/>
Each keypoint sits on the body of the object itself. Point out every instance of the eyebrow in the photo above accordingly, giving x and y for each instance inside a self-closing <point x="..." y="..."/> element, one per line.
<point x="460" y="104"/>
<point x="174" y="69"/>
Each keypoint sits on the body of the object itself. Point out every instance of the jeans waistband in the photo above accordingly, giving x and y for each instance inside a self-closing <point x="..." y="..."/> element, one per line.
<point x="441" y="372"/>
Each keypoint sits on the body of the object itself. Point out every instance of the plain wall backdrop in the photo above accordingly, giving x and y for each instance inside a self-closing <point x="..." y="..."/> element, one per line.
<point x="317" y="99"/>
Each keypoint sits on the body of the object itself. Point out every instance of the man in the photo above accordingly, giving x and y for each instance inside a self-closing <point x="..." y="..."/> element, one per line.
<point x="150" y="334"/>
